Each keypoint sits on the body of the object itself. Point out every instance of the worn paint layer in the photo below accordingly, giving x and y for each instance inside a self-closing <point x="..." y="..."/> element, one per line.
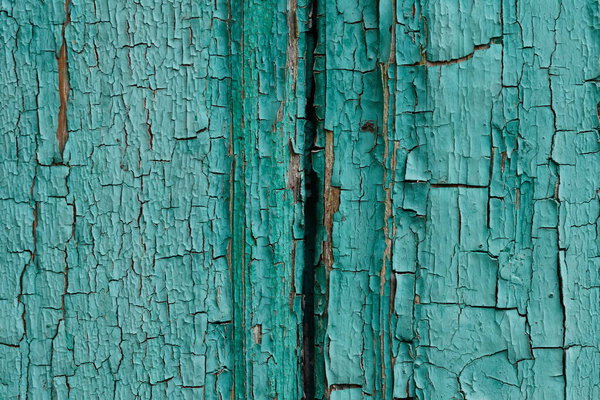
<point x="461" y="260"/>
<point x="260" y="199"/>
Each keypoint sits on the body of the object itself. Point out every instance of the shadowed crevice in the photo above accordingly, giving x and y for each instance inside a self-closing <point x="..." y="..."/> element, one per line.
<point x="311" y="207"/>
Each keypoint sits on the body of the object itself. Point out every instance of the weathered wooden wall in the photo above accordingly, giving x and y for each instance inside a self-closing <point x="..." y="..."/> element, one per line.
<point x="261" y="199"/>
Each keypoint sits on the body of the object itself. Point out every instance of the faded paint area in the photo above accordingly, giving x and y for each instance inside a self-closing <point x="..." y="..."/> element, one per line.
<point x="116" y="121"/>
<point x="300" y="199"/>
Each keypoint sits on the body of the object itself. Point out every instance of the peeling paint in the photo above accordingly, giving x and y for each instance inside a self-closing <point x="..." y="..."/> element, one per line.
<point x="299" y="199"/>
<point x="62" y="133"/>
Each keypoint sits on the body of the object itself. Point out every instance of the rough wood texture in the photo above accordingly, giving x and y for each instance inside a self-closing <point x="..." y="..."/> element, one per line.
<point x="292" y="199"/>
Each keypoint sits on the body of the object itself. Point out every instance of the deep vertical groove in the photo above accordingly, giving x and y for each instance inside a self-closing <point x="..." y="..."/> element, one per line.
<point x="310" y="211"/>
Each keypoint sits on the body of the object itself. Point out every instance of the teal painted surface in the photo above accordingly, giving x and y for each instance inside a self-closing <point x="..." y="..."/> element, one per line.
<point x="269" y="104"/>
<point x="117" y="283"/>
<point x="464" y="248"/>
<point x="299" y="199"/>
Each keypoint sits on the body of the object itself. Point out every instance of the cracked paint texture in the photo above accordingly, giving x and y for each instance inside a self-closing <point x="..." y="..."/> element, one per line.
<point x="464" y="241"/>
<point x="260" y="199"/>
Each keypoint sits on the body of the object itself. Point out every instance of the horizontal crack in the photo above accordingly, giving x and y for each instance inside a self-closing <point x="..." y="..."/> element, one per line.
<point x="479" y="47"/>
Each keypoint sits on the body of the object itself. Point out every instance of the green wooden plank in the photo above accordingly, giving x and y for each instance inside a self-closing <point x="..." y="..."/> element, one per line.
<point x="471" y="200"/>
<point x="268" y="190"/>
<point x="303" y="199"/>
<point x="125" y="292"/>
